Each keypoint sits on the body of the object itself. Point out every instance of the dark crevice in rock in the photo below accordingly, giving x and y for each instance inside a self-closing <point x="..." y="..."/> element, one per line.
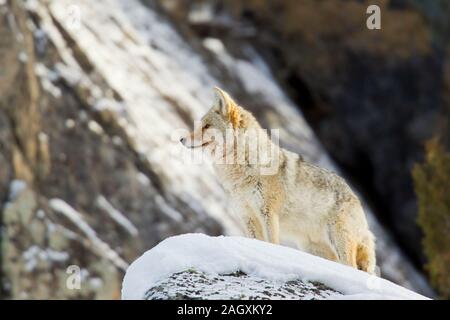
<point x="78" y="54"/>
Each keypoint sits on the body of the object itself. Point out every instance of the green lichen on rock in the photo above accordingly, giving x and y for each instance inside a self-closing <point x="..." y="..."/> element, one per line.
<point x="432" y="185"/>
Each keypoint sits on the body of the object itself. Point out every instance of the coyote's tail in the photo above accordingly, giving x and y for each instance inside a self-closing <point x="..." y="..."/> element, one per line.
<point x="365" y="255"/>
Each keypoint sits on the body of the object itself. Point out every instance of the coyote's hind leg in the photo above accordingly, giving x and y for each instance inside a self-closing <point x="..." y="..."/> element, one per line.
<point x="344" y="245"/>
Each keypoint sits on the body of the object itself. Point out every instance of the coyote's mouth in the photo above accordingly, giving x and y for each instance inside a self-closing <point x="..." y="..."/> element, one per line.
<point x="200" y="146"/>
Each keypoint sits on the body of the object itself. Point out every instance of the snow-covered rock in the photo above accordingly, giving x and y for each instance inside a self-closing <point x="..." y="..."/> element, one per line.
<point x="194" y="266"/>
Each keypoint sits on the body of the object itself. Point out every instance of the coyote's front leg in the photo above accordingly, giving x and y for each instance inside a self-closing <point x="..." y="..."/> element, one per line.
<point x="272" y="224"/>
<point x="254" y="229"/>
<point x="270" y="213"/>
<point x="262" y="217"/>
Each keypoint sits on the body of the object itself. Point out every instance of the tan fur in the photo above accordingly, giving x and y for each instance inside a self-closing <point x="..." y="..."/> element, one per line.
<point x="300" y="203"/>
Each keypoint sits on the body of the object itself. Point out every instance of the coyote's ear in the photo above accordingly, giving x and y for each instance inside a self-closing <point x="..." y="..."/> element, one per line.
<point x="222" y="100"/>
<point x="227" y="106"/>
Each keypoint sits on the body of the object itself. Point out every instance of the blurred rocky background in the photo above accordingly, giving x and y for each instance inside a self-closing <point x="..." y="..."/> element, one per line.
<point x="93" y="93"/>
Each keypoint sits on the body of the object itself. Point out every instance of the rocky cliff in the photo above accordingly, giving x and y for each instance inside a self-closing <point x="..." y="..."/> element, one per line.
<point x="91" y="96"/>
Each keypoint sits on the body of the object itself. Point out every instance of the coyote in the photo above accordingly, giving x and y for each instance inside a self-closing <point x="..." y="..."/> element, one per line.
<point x="298" y="202"/>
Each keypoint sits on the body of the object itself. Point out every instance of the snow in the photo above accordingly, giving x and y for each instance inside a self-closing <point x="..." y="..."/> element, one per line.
<point x="96" y="283"/>
<point x="47" y="78"/>
<point x="23" y="57"/>
<point x="70" y="123"/>
<point x="223" y="255"/>
<point x="167" y="210"/>
<point x="33" y="254"/>
<point x="15" y="188"/>
<point x="95" y="127"/>
<point x="77" y="219"/>
<point x="143" y="179"/>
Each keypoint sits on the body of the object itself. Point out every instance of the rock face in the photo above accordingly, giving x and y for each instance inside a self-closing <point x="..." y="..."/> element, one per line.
<point x="92" y="95"/>
<point x="192" y="284"/>
<point x="37" y="252"/>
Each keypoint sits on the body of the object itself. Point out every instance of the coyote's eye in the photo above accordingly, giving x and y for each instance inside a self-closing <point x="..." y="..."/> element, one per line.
<point x="206" y="126"/>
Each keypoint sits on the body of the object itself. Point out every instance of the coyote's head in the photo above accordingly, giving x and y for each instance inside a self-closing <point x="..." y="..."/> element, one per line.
<point x="232" y="135"/>
<point x="225" y="116"/>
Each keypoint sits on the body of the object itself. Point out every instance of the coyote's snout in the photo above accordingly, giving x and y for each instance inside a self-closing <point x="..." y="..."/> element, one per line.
<point x="294" y="200"/>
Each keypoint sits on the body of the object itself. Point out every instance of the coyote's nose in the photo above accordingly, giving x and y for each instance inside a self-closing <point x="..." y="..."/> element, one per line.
<point x="182" y="140"/>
